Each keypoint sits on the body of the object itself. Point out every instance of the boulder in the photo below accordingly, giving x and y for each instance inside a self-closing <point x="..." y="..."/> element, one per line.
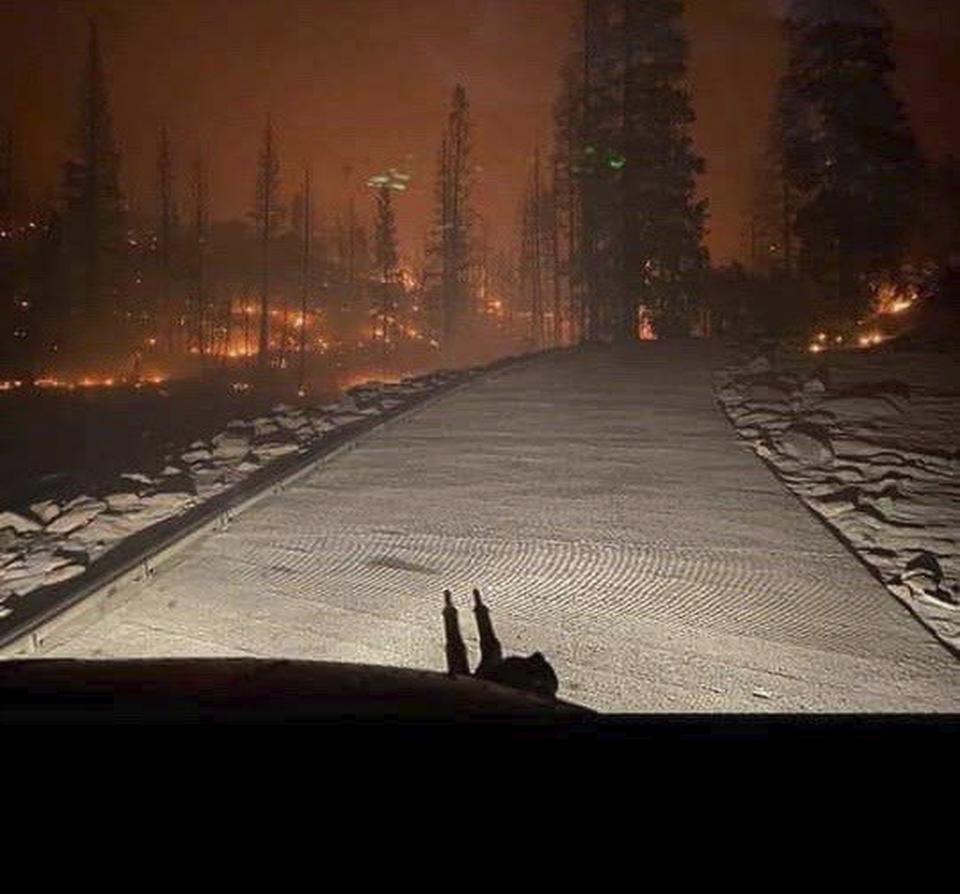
<point x="925" y="565"/>
<point x="81" y="500"/>
<point x="200" y="455"/>
<point x="76" y="516"/>
<point x="728" y="394"/>
<point x="856" y="407"/>
<point x="814" y="385"/>
<point x="346" y="418"/>
<point x="765" y="393"/>
<point x="293" y="422"/>
<point x="264" y="428"/>
<point x="230" y="446"/>
<point x="25" y="585"/>
<point x="806" y="444"/>
<point x="275" y="449"/>
<point x="160" y="504"/>
<point x="105" y="530"/>
<point x="46" y="510"/>
<point x="122" y="502"/>
<point x="839" y="503"/>
<point x="365" y="397"/>
<point x="137" y="478"/>
<point x="924" y="576"/>
<point x="759" y="364"/>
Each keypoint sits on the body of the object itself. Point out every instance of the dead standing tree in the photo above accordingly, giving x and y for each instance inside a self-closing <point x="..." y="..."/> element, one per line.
<point x="454" y="222"/>
<point x="267" y="216"/>
<point x="306" y="237"/>
<point x="532" y="257"/>
<point x="166" y="234"/>
<point x="92" y="219"/>
<point x="565" y="229"/>
<point x="387" y="263"/>
<point x="199" y="323"/>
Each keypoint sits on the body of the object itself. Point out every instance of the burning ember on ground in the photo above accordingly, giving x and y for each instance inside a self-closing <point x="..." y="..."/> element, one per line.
<point x="891" y="299"/>
<point x="820" y="343"/>
<point x="645" y="330"/>
<point x="88" y="381"/>
<point x="367" y="378"/>
<point x="870" y="339"/>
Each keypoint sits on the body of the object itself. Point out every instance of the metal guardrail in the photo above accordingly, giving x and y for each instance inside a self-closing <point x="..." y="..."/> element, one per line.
<point x="136" y="559"/>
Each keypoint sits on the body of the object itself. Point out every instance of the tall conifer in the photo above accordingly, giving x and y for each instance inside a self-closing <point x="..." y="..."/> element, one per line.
<point x="849" y="153"/>
<point x="92" y="225"/>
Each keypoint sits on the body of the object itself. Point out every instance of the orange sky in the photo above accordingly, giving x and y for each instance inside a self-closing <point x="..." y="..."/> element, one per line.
<point x="365" y="84"/>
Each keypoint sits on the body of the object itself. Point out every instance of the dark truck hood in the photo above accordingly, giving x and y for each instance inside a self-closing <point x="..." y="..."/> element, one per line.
<point x="253" y="690"/>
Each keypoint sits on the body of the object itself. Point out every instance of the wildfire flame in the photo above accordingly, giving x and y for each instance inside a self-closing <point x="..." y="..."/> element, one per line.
<point x="368" y="378"/>
<point x="891" y="299"/>
<point x="645" y="329"/>
<point x="869" y="339"/>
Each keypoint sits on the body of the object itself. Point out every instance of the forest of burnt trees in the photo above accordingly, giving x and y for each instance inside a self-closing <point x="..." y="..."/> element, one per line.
<point x="609" y="244"/>
<point x="92" y="284"/>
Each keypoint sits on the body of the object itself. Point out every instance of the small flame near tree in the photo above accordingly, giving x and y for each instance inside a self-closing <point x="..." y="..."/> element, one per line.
<point x="891" y="300"/>
<point x="645" y="328"/>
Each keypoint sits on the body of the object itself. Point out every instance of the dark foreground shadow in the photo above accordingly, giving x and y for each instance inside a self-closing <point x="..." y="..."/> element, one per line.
<point x="252" y="690"/>
<point x="353" y="704"/>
